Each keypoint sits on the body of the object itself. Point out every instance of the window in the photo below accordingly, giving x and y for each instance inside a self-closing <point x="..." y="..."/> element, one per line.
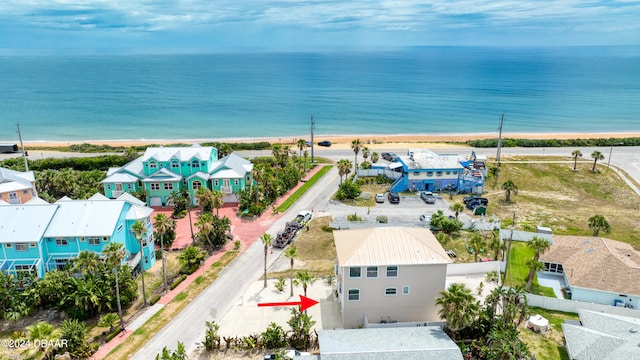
<point x="392" y="271"/>
<point x="153" y="165"/>
<point x="94" y="241"/>
<point x="236" y="182"/>
<point x="105" y="239"/>
<point x="448" y="172"/>
<point x="155" y="186"/>
<point x="215" y="182"/>
<point x="61" y="264"/>
<point x="175" y="164"/>
<point x="390" y="292"/>
<point x="405" y="290"/>
<point x="21" y="247"/>
<point x="119" y="228"/>
<point x="32" y="245"/>
<point x="416" y="173"/>
<point x="354" y="295"/>
<point x="108" y="186"/>
<point x="25" y="268"/>
<point x="439" y="173"/>
<point x="429" y="173"/>
<point x="195" y="164"/>
<point x="354" y="272"/>
<point x="196" y="185"/>
<point x="9" y="245"/>
<point x="61" y="241"/>
<point x="372" y="271"/>
<point x="83" y="239"/>
<point x="168" y="186"/>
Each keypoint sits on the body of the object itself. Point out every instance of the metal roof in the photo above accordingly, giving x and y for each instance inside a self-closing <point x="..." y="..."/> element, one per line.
<point x="37" y="201"/>
<point x="388" y="246"/>
<point x="179" y="153"/>
<point x="138" y="212"/>
<point x="131" y="199"/>
<point x="429" y="342"/>
<point x="120" y="177"/>
<point x="24" y="223"/>
<point x="85" y="218"/>
<point x="230" y="166"/>
<point x="427" y="159"/>
<point x="163" y="175"/>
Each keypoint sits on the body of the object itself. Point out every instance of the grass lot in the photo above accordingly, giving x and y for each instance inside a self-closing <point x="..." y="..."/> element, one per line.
<point x="518" y="270"/>
<point x="553" y="195"/>
<point x="316" y="250"/>
<point x="303" y="189"/>
<point x="140" y="337"/>
<point x="551" y="344"/>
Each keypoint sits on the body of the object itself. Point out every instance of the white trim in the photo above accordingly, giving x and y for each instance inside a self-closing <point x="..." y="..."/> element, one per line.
<point x="408" y="289"/>
<point x="395" y="291"/>
<point x="349" y="295"/>
<point x="367" y="272"/>
<point x="387" y="271"/>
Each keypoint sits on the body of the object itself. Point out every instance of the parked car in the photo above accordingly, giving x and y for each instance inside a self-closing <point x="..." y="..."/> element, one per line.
<point x="379" y="198"/>
<point x="325" y="143"/>
<point x="307" y="143"/>
<point x="389" y="156"/>
<point x="394" y="198"/>
<point x="288" y="354"/>
<point x="476" y="198"/>
<point x="428" y="197"/>
<point x="426" y="218"/>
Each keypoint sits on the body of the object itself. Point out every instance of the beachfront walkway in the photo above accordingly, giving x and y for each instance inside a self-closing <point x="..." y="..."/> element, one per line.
<point x="247" y="231"/>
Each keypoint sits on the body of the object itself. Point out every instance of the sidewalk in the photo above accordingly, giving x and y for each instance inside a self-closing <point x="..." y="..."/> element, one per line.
<point x="247" y="231"/>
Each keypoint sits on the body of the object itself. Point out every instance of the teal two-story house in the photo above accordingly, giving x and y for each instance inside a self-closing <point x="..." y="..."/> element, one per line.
<point x="40" y="237"/>
<point x="163" y="170"/>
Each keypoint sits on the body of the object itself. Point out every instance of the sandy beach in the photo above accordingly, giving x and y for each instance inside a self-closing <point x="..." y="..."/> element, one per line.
<point x="342" y="141"/>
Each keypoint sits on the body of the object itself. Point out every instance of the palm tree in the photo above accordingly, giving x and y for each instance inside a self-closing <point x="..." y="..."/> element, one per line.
<point x="266" y="241"/>
<point x="598" y="223"/>
<point x="205" y="226"/>
<point x="457" y="208"/>
<point x="365" y="153"/>
<point x="443" y="239"/>
<point x="47" y="335"/>
<point x="205" y="199"/>
<point x="539" y="245"/>
<point x="458" y="307"/>
<point x="217" y="200"/>
<point x="291" y="253"/>
<point x="509" y="187"/>
<point x="87" y="262"/>
<point x="576" y="154"/>
<point x="301" y="145"/>
<point x="495" y="244"/>
<point x="305" y="279"/>
<point x="476" y="243"/>
<point x="355" y="146"/>
<point x="596" y="155"/>
<point x="191" y="257"/>
<point x="344" y="168"/>
<point x="139" y="231"/>
<point x="108" y="320"/>
<point x="114" y="253"/>
<point x="305" y="154"/>
<point x="375" y="157"/>
<point x="163" y="225"/>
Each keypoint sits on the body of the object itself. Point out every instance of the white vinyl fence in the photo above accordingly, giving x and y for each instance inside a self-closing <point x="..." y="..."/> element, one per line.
<point x="572" y="306"/>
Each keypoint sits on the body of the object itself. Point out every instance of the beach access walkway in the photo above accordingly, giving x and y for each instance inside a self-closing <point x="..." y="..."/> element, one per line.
<point x="247" y="231"/>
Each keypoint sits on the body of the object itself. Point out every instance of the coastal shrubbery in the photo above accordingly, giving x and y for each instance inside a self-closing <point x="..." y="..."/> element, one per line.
<point x="507" y="142"/>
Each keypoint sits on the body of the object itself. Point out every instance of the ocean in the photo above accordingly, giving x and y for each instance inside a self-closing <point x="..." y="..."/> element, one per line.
<point x="422" y="90"/>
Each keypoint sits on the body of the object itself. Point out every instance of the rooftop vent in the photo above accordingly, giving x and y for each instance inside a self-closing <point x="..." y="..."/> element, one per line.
<point x="585" y="242"/>
<point x="590" y="250"/>
<point x="633" y="330"/>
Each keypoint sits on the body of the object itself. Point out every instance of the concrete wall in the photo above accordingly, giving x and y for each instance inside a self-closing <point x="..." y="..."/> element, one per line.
<point x="573" y="306"/>
<point x="424" y="281"/>
<point x="375" y="172"/>
<point x="473" y="268"/>
<point x="525" y="236"/>
<point x="603" y="297"/>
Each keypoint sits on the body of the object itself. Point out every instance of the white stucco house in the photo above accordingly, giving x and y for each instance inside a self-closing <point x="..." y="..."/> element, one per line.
<point x="389" y="274"/>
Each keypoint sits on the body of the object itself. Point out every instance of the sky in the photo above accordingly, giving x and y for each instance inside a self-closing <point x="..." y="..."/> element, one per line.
<point x="210" y="25"/>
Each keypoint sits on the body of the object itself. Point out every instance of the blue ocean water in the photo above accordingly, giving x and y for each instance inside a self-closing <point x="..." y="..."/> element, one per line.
<point x="426" y="90"/>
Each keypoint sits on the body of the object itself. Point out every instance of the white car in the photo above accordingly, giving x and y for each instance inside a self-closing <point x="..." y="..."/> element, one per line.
<point x="379" y="198"/>
<point x="426" y="218"/>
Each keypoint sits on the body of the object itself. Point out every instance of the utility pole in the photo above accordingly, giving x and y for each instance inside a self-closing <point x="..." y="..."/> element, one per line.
<point x="506" y="264"/>
<point x="499" y="146"/>
<point x="313" y="126"/>
<point x="24" y="154"/>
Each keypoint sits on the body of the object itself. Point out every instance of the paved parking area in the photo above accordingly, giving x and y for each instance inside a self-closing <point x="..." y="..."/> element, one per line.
<point x="246" y="318"/>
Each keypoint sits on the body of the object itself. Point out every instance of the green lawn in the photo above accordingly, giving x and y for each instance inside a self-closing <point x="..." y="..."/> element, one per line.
<point x="549" y="345"/>
<point x="518" y="270"/>
<point x="303" y="189"/>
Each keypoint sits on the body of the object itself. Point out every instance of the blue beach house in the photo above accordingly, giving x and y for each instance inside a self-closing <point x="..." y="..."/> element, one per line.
<point x="39" y="237"/>
<point x="163" y="170"/>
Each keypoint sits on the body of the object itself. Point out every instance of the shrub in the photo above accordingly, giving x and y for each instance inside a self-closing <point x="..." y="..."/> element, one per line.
<point x="274" y="337"/>
<point x="382" y="219"/>
<point x="177" y="281"/>
<point x="155" y="299"/>
<point x="111" y="335"/>
<point x="354" y="217"/>
<point x="326" y="228"/>
<point x="280" y="283"/>
<point x="348" y="190"/>
<point x="237" y="244"/>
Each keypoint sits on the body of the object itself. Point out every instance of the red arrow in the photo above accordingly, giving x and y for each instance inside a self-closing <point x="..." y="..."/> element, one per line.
<point x="304" y="303"/>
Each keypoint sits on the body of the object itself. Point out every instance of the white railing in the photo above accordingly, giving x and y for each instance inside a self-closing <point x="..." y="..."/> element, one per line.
<point x="226" y="189"/>
<point x="116" y="193"/>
